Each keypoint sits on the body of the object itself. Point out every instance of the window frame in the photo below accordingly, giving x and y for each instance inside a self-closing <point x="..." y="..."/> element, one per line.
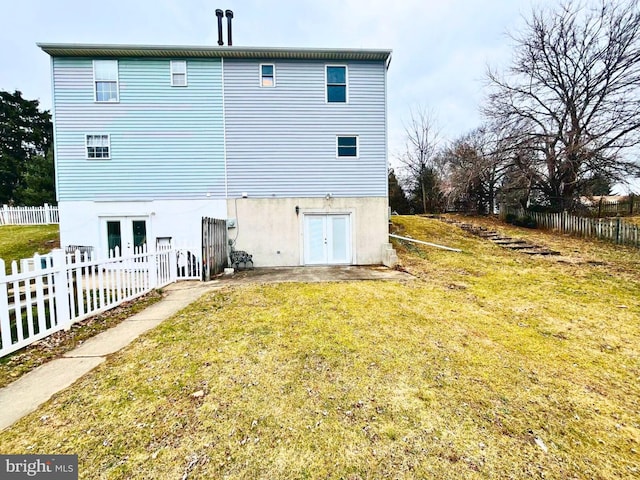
<point x="86" y="146"/>
<point x="261" y="75"/>
<point x="346" y="82"/>
<point x="95" y="82"/>
<point x="338" y="137"/>
<point x="172" y="72"/>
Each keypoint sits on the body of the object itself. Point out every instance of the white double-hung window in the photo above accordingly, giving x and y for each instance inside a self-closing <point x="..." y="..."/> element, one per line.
<point x="347" y="146"/>
<point x="105" y="78"/>
<point x="178" y="73"/>
<point x="267" y="75"/>
<point x="98" y="147"/>
<point x="337" y="80"/>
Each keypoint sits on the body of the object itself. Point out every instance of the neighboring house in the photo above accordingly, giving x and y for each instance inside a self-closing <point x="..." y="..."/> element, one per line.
<point x="289" y="145"/>
<point x="595" y="199"/>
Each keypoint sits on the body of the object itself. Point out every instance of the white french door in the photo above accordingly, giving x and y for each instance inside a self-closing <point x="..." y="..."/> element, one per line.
<point x="127" y="234"/>
<point x="327" y="239"/>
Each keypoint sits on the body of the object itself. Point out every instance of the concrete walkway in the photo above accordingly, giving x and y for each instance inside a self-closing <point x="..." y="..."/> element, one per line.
<point x="31" y="390"/>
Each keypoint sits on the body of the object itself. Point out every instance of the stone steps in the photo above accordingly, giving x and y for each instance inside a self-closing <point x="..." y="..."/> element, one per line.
<point x="515" y="244"/>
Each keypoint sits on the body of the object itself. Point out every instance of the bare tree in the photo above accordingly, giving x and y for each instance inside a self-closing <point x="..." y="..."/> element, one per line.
<point x="419" y="160"/>
<point x="571" y="95"/>
<point x="476" y="164"/>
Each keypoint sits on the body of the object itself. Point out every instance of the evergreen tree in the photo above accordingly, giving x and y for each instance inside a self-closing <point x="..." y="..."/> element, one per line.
<point x="397" y="199"/>
<point x="25" y="140"/>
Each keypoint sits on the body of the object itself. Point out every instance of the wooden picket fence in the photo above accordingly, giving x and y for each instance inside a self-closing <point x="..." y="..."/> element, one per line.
<point x="611" y="208"/>
<point x="214" y="247"/>
<point x="44" y="215"/>
<point x="49" y="293"/>
<point x="611" y="229"/>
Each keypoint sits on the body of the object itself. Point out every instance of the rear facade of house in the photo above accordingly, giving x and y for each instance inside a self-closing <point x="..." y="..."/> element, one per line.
<point x="288" y="145"/>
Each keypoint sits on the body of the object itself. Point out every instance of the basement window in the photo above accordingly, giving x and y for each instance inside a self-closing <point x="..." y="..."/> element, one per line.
<point x="267" y="75"/>
<point x="347" y="146"/>
<point x="178" y="73"/>
<point x="98" y="147"/>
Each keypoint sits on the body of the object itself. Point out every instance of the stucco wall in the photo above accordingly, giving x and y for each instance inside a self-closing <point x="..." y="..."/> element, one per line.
<point x="272" y="232"/>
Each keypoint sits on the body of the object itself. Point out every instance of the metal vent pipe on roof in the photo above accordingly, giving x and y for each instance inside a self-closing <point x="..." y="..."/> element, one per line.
<point x="219" y="14"/>
<point x="229" y="15"/>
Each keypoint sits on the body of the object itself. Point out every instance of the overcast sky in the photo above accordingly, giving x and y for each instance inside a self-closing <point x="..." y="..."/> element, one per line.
<point x="440" y="47"/>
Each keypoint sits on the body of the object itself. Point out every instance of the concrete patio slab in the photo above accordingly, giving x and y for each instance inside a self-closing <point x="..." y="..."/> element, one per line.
<point x="314" y="274"/>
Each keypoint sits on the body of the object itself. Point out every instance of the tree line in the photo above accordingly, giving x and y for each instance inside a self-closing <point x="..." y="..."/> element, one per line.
<point x="26" y="152"/>
<point x="560" y="122"/>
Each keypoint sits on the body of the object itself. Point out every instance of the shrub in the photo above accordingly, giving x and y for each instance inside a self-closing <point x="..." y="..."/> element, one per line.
<point x="521" y="221"/>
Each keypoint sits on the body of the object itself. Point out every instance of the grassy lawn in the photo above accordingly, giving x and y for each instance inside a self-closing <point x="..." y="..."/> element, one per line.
<point x="493" y="365"/>
<point x="23" y="241"/>
<point x="15" y="365"/>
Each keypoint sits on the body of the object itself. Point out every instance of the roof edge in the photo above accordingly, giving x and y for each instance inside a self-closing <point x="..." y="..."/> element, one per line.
<point x="125" y="50"/>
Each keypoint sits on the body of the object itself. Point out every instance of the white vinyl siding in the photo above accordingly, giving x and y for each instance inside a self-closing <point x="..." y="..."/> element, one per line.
<point x="178" y="73"/>
<point x="281" y="142"/>
<point x="105" y="81"/>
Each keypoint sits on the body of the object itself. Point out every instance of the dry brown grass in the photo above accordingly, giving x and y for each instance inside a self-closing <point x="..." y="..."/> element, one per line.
<point x="497" y="365"/>
<point x="635" y="219"/>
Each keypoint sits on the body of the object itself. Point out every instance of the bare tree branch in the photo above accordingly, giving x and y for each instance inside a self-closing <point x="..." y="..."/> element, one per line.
<point x="571" y="96"/>
<point x="419" y="160"/>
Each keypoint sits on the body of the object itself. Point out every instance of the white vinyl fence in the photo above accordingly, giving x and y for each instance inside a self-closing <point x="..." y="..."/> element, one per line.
<point x="51" y="292"/>
<point x="611" y="229"/>
<point x="44" y="215"/>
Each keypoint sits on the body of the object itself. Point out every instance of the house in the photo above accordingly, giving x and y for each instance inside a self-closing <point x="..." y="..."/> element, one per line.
<point x="288" y="144"/>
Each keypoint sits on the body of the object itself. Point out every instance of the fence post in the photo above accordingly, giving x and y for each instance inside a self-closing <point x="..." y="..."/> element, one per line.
<point x="47" y="214"/>
<point x="154" y="265"/>
<point x="173" y="265"/>
<point x="617" y="230"/>
<point x="600" y="208"/>
<point x="5" y="323"/>
<point x="61" y="288"/>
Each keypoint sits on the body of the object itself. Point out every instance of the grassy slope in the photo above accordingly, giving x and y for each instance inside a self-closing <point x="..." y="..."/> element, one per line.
<point x="18" y="241"/>
<point x="454" y="377"/>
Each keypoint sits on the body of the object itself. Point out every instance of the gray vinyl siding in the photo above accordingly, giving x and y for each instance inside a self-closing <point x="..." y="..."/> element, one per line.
<point x="281" y="141"/>
<point x="166" y="142"/>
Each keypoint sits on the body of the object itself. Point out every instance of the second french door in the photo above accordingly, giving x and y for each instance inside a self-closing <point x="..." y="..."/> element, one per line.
<point x="127" y="235"/>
